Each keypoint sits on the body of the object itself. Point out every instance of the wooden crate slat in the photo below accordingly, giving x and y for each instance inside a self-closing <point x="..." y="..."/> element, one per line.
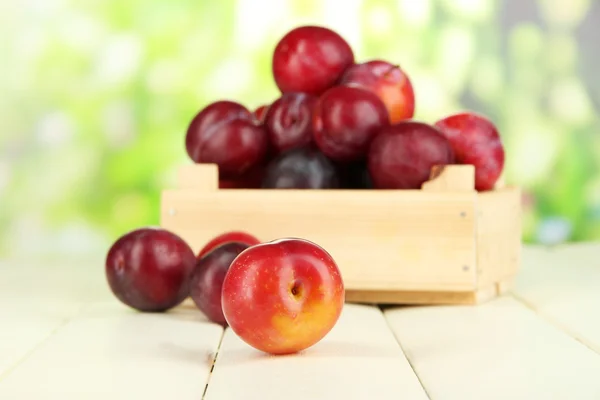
<point x="359" y="359"/>
<point x="498" y="350"/>
<point x="422" y="297"/>
<point x="380" y="240"/>
<point x="110" y="353"/>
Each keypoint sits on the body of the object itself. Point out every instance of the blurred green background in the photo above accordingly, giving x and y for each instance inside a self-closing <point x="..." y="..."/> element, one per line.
<point x="96" y="96"/>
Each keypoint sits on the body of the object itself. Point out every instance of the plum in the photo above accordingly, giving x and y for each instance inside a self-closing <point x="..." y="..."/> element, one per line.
<point x="402" y="155"/>
<point x="207" y="279"/>
<point x="149" y="269"/>
<point x="289" y="121"/>
<point x="227" y="134"/>
<point x="345" y="121"/>
<point x="475" y="141"/>
<point x="310" y="59"/>
<point x="301" y="168"/>
<point x="230" y="236"/>
<point x="283" y="296"/>
<point x="389" y="82"/>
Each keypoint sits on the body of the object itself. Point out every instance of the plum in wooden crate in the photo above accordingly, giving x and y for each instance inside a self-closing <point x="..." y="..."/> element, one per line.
<point x="446" y="243"/>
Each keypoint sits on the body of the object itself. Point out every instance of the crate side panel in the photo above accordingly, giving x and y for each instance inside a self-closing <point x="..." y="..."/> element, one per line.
<point x="380" y="240"/>
<point x="498" y="235"/>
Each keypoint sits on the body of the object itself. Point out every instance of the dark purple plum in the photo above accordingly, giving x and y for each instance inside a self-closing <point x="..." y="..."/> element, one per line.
<point x="207" y="279"/>
<point x="355" y="175"/>
<point x="149" y="269"/>
<point x="402" y="155"/>
<point x="289" y="121"/>
<point x="345" y="121"/>
<point x="301" y="168"/>
<point x="229" y="135"/>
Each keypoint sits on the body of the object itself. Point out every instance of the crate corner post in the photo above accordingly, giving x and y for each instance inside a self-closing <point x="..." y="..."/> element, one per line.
<point x="498" y="238"/>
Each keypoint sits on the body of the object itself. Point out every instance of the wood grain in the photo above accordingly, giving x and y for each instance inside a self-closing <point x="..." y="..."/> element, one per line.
<point x="113" y="353"/>
<point x="451" y="178"/>
<point x="563" y="285"/>
<point x="37" y="297"/>
<point x="496" y="351"/>
<point x="380" y="239"/>
<point x="446" y="241"/>
<point x="359" y="359"/>
<point x="421" y="297"/>
<point x="198" y="177"/>
<point x="498" y="235"/>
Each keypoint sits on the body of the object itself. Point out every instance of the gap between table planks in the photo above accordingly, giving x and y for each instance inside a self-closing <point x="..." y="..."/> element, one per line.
<point x="562" y="284"/>
<point x="451" y="348"/>
<point x="359" y="359"/>
<point x="30" y="315"/>
<point x="544" y="348"/>
<point x="115" y="353"/>
<point x="498" y="350"/>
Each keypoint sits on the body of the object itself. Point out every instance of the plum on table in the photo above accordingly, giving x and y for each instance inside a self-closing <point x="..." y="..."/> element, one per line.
<point x="283" y="296"/>
<point x="207" y="279"/>
<point x="225" y="237"/>
<point x="149" y="269"/>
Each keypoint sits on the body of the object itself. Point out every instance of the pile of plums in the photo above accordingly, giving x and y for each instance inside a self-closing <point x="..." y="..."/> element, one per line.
<point x="280" y="297"/>
<point x="338" y="124"/>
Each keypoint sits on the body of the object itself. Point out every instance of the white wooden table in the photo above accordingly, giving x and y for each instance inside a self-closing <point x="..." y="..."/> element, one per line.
<point x="64" y="336"/>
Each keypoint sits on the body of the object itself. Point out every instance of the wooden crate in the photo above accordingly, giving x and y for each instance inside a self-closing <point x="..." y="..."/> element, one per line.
<point x="443" y="244"/>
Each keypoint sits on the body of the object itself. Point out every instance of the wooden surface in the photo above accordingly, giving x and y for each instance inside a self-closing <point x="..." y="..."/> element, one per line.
<point x="64" y="336"/>
<point x="418" y="239"/>
<point x="498" y="235"/>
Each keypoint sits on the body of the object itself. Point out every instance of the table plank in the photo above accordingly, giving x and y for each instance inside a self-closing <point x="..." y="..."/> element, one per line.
<point x="23" y="327"/>
<point x="38" y="297"/>
<point x="111" y="352"/>
<point x="359" y="359"/>
<point x="563" y="285"/>
<point x="58" y="282"/>
<point x="499" y="350"/>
